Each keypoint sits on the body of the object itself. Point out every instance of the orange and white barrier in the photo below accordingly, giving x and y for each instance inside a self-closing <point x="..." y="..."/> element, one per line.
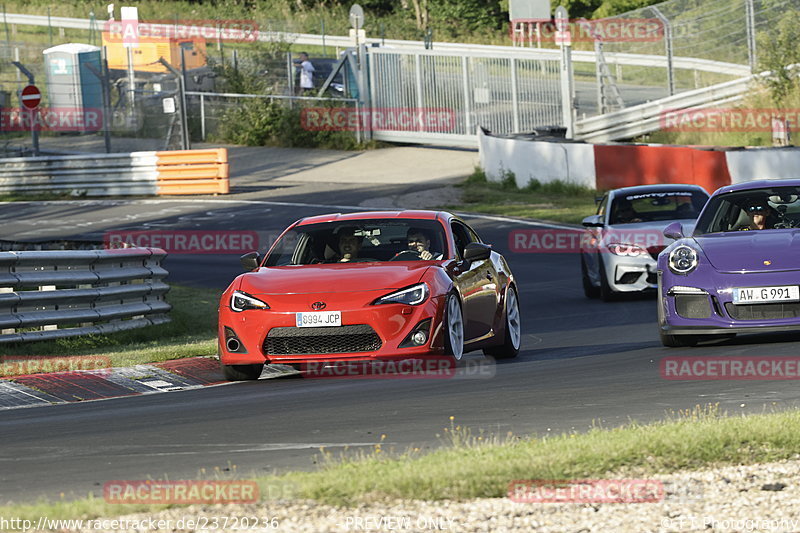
<point x="193" y="172"/>
<point x="609" y="166"/>
<point x="135" y="173"/>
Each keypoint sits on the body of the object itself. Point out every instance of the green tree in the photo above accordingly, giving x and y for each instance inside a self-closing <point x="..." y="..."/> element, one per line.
<point x="609" y="8"/>
<point x="777" y="51"/>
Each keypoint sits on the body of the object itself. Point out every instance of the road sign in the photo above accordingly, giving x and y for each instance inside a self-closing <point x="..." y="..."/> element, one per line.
<point x="356" y="17"/>
<point x="562" y="18"/>
<point x="563" y="38"/>
<point x="130" y="26"/>
<point x="31" y="96"/>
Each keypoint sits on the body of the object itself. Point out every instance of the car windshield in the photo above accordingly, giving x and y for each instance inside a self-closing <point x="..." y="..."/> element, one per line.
<point x="359" y="241"/>
<point x="755" y="209"/>
<point x="657" y="206"/>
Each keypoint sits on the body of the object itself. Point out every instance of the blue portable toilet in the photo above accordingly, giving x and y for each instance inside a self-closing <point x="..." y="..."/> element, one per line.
<point x="73" y="90"/>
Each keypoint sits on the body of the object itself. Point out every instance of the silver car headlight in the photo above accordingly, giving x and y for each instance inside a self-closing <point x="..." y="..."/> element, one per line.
<point x="414" y="295"/>
<point x="241" y="301"/>
<point x="626" y="250"/>
<point x="683" y="259"/>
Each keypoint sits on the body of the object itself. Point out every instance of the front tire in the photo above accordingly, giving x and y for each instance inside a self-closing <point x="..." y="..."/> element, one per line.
<point x="607" y="294"/>
<point x="513" y="330"/>
<point x="454" y="327"/>
<point x="589" y="290"/>
<point x="242" y="372"/>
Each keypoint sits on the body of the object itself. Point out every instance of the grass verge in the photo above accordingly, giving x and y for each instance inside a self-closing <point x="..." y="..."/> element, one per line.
<point x="191" y="332"/>
<point x="477" y="466"/>
<point x="556" y="201"/>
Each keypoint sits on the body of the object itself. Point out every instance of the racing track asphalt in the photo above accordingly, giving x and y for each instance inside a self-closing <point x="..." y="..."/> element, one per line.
<point x="582" y="363"/>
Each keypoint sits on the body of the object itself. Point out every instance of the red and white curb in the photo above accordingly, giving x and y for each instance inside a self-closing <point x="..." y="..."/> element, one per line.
<point x="34" y="390"/>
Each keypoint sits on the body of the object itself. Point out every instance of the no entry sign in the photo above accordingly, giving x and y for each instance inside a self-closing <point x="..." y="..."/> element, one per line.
<point x="31" y="96"/>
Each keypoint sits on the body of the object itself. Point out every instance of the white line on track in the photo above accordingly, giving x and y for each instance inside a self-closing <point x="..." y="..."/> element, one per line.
<point x="109" y="203"/>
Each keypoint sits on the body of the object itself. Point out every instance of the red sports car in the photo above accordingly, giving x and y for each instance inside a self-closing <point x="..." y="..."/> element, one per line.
<point x="369" y="286"/>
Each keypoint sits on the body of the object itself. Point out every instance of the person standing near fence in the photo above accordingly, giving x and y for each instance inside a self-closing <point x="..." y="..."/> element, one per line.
<point x="306" y="74"/>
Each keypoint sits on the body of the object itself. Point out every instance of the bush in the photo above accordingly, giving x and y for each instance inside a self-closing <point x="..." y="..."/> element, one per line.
<point x="261" y="122"/>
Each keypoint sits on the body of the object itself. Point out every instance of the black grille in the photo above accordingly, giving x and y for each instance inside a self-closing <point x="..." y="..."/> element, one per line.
<point x="692" y="305"/>
<point x="308" y="341"/>
<point x="629" y="277"/>
<point x="763" y="311"/>
<point x="652" y="278"/>
<point x="655" y="250"/>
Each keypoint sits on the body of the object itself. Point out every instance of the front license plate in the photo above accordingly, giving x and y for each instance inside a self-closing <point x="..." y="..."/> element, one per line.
<point x="749" y="295"/>
<point x="319" y="319"/>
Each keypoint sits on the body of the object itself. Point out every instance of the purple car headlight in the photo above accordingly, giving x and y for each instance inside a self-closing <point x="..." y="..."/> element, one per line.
<point x="683" y="259"/>
<point x="626" y="250"/>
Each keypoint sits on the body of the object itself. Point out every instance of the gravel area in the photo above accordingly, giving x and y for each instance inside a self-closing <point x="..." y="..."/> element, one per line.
<point x="731" y="499"/>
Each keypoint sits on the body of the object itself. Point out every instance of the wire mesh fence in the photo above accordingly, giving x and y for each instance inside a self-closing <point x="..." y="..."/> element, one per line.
<point x="144" y="109"/>
<point x="714" y="30"/>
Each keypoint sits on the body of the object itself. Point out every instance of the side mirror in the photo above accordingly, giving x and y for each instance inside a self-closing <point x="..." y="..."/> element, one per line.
<point x="250" y="260"/>
<point x="594" y="221"/>
<point x="476" y="251"/>
<point x="674" y="231"/>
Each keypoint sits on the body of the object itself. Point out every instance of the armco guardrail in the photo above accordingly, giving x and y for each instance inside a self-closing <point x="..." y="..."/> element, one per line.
<point x="135" y="173"/>
<point x="56" y="294"/>
<point x="645" y="118"/>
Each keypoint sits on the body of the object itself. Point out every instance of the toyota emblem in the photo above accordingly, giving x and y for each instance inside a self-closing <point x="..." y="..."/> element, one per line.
<point x="318" y="306"/>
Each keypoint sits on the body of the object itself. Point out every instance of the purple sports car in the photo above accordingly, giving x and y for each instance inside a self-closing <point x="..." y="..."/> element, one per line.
<point x="739" y="271"/>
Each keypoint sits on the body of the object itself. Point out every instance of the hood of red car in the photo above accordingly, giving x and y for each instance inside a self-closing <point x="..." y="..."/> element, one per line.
<point x="765" y="250"/>
<point x="330" y="278"/>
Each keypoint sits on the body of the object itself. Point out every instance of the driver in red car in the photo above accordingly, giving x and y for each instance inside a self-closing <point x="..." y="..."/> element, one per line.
<point x="418" y="241"/>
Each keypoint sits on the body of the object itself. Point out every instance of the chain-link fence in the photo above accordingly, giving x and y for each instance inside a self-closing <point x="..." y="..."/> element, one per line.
<point x="138" y="96"/>
<point x="143" y="108"/>
<point x="714" y="30"/>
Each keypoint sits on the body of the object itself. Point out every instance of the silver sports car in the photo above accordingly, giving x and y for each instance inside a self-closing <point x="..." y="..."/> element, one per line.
<point x="622" y="241"/>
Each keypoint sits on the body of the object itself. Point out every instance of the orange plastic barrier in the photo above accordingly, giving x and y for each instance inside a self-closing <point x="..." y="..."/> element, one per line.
<point x="193" y="172"/>
<point x="626" y="165"/>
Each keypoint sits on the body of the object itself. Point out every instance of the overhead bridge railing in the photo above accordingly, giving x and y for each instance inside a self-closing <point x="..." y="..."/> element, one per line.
<point x="47" y="295"/>
<point x="689" y="63"/>
<point x="135" y="173"/>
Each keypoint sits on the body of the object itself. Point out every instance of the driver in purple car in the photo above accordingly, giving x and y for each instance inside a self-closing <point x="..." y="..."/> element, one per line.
<point x="762" y="216"/>
<point x="418" y="241"/>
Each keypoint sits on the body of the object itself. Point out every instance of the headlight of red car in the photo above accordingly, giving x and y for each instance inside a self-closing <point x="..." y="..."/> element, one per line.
<point x="414" y="295"/>
<point x="241" y="301"/>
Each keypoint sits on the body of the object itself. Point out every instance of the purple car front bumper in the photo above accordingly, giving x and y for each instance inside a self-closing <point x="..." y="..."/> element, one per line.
<point x="701" y="303"/>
